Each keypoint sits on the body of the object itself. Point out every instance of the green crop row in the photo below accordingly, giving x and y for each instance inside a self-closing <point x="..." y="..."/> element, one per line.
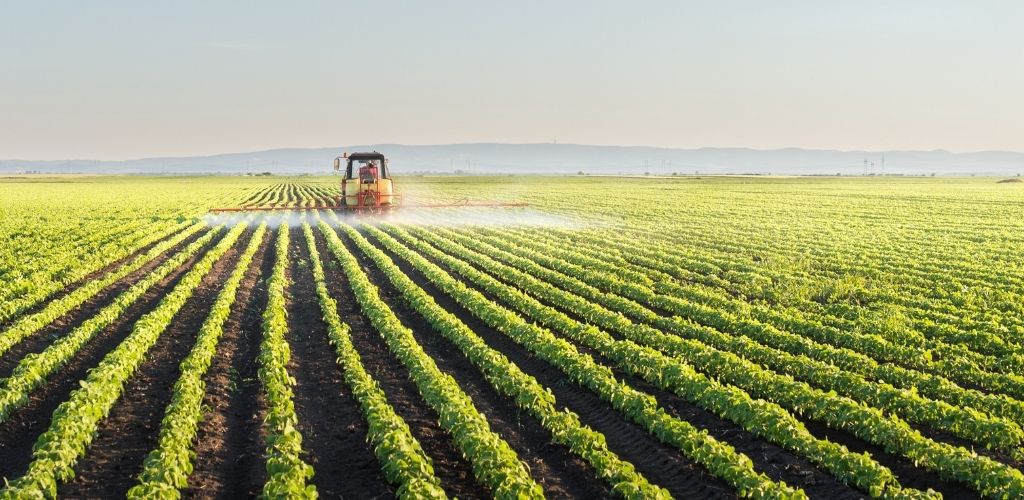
<point x="166" y="468"/>
<point x="142" y="232"/>
<point x="400" y="454"/>
<point x="992" y="432"/>
<point x="34" y="369"/>
<point x="856" y="352"/>
<point x="721" y="459"/>
<point x="30" y="324"/>
<point x="945" y="320"/>
<point x="22" y="285"/>
<point x="989" y="477"/>
<point x="506" y="378"/>
<point x="764" y="419"/>
<point x="949" y="313"/>
<point x="287" y="473"/>
<point x="75" y="421"/>
<point x="495" y="464"/>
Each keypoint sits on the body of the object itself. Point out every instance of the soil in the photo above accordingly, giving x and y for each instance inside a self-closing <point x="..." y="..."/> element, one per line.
<point x="780" y="464"/>
<point x="660" y="463"/>
<point x="906" y="472"/>
<point x="333" y="429"/>
<point x="230" y="441"/>
<point x="454" y="471"/>
<point x="562" y="474"/>
<point x="774" y="461"/>
<point x="131" y="430"/>
<point x="21" y="430"/>
<point x="63" y="325"/>
<point x="93" y="276"/>
<point x="950" y="439"/>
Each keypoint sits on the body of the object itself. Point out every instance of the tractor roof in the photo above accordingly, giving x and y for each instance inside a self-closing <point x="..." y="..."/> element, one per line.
<point x="366" y="156"/>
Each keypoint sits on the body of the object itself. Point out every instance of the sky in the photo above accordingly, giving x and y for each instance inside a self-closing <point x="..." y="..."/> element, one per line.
<point x="128" y="79"/>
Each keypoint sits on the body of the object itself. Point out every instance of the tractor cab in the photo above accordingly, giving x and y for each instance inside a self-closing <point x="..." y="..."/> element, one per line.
<point x="368" y="173"/>
<point x="367" y="182"/>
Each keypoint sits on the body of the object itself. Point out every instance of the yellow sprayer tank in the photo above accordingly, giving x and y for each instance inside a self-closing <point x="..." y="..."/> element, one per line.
<point x="383" y="187"/>
<point x="367" y="181"/>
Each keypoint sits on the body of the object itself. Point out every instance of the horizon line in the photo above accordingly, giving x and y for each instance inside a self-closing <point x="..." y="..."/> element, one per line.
<point x="621" y="146"/>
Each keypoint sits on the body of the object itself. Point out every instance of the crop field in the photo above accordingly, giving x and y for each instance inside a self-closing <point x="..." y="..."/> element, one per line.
<point x="686" y="337"/>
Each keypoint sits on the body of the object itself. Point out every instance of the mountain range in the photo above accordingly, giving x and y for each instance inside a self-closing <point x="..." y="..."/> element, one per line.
<point x="495" y="158"/>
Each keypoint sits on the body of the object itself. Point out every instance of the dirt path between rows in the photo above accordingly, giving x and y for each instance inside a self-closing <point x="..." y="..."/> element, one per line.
<point x="131" y="430"/>
<point x="455" y="472"/>
<point x="775" y="461"/>
<point x="230" y="440"/>
<point x="21" y="430"/>
<point x="41" y="304"/>
<point x="661" y="464"/>
<point x="562" y="474"/>
<point x="63" y="325"/>
<point x="330" y="420"/>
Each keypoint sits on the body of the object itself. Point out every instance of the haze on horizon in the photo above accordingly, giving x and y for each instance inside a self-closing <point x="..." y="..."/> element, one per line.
<point x="119" y="79"/>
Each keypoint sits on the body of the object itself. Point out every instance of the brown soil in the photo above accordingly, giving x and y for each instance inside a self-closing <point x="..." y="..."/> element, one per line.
<point x="909" y="475"/>
<point x="659" y="463"/>
<point x="230" y="441"/>
<point x="131" y="430"/>
<point x="950" y="439"/>
<point x="455" y="472"/>
<point x="330" y="420"/>
<point x="65" y="324"/>
<point x="774" y="461"/>
<point x="93" y="276"/>
<point x="230" y="447"/>
<point x="20" y="431"/>
<point x="562" y="474"/>
<point x="781" y="464"/>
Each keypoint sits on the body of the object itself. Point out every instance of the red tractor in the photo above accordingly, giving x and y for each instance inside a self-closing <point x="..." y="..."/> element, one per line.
<point x="367" y="184"/>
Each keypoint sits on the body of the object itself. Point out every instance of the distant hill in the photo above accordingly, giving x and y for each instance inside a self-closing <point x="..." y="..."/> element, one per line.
<point x="489" y="158"/>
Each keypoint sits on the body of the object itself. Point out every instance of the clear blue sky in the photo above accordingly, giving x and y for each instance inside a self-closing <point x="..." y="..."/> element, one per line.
<point x="125" y="79"/>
